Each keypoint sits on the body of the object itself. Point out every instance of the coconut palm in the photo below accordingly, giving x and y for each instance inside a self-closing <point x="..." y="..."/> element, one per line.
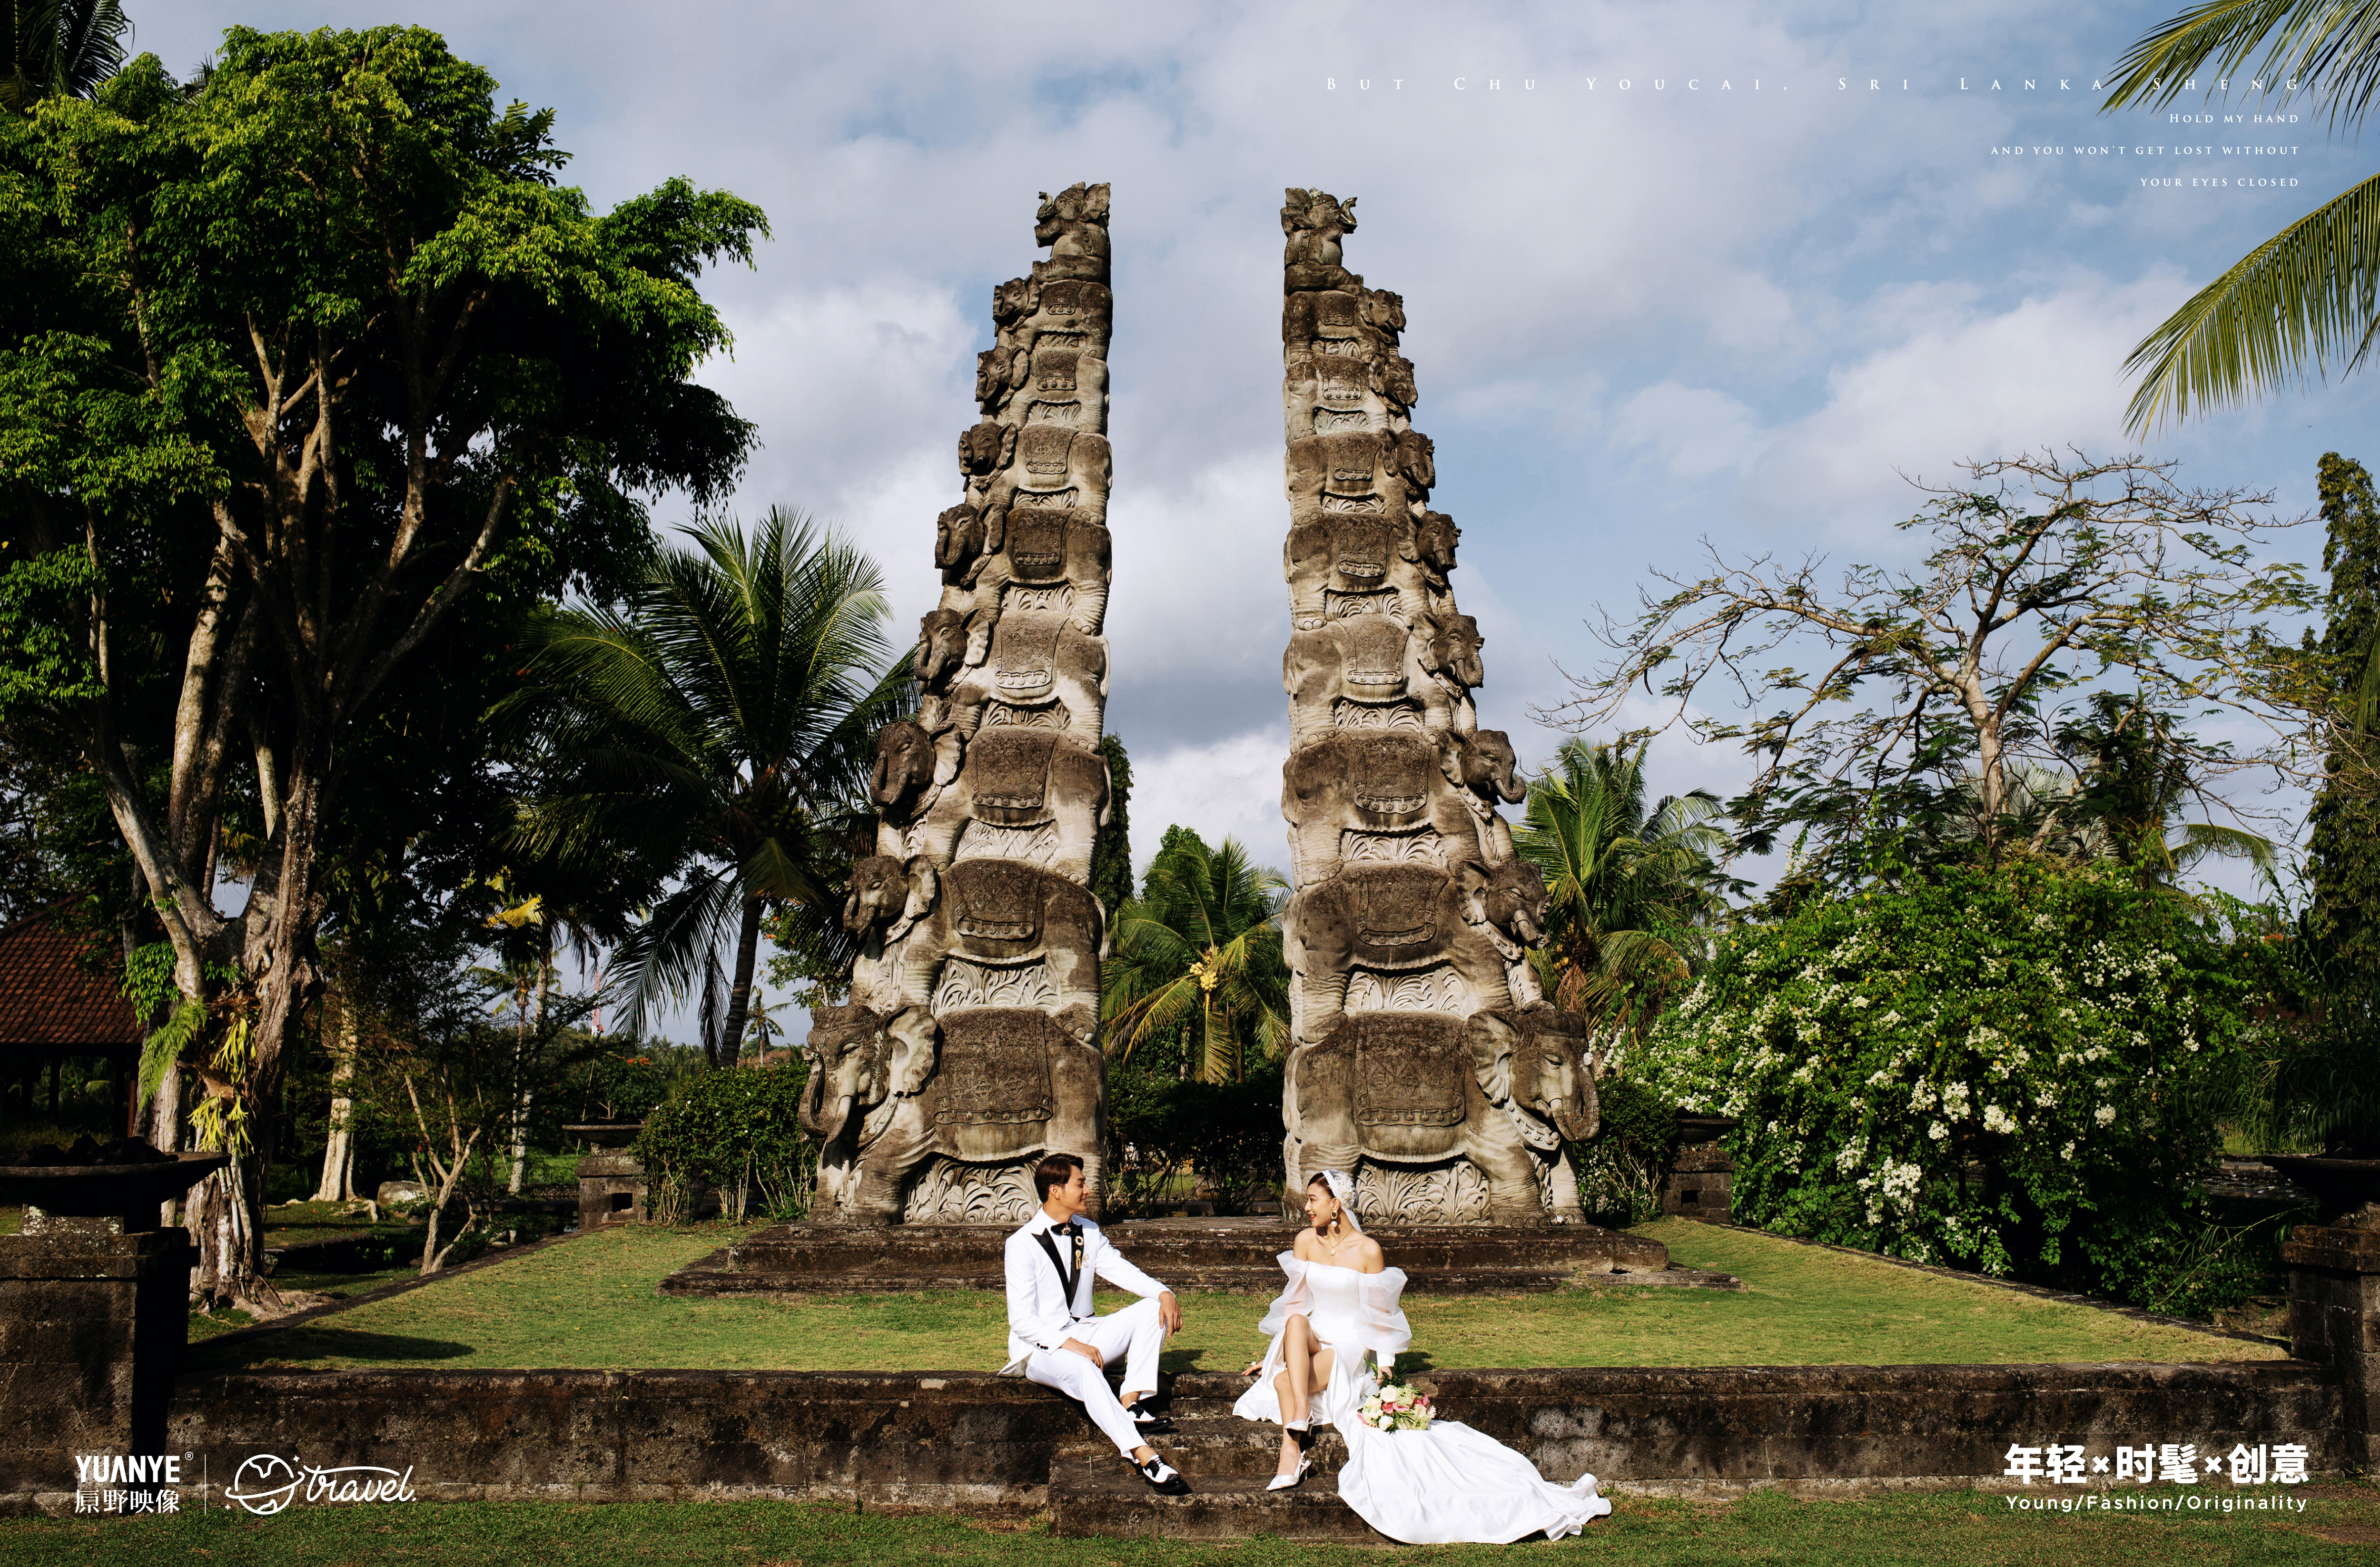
<point x="58" y="48"/>
<point x="2308" y="297"/>
<point x="1199" y="950"/>
<point x="1623" y="883"/>
<point x="719" y="725"/>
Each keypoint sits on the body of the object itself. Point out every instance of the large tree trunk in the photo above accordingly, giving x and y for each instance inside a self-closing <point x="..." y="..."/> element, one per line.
<point x="337" y="1184"/>
<point x="739" y="996"/>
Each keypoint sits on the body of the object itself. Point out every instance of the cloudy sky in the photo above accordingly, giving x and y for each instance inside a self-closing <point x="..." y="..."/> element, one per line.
<point x="1673" y="271"/>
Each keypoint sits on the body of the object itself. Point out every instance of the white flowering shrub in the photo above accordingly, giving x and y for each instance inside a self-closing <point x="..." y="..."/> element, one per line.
<point x="2009" y="1070"/>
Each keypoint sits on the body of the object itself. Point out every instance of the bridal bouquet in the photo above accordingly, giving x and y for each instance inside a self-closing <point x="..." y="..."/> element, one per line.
<point x="1397" y="1408"/>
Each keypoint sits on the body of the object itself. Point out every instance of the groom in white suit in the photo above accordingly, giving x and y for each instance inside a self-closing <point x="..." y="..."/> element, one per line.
<point x="1055" y="1339"/>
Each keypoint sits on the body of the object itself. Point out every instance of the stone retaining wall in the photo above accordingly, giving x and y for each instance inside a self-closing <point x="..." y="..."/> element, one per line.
<point x="971" y="1441"/>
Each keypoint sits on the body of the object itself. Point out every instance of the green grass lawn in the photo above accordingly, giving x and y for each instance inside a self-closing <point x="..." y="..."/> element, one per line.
<point x="1972" y="1529"/>
<point x="591" y="1303"/>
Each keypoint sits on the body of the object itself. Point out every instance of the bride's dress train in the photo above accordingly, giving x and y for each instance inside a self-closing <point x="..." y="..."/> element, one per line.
<point x="1435" y="1486"/>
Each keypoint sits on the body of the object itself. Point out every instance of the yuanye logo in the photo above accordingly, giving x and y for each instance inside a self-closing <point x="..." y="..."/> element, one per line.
<point x="127" y="1469"/>
<point x="267" y="1483"/>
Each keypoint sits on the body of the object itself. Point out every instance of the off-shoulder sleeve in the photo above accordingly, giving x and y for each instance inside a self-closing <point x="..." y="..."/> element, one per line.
<point x="1384" y="1327"/>
<point x="1294" y="1296"/>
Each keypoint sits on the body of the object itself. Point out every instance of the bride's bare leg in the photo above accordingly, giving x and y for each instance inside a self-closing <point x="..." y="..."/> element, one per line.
<point x="1298" y="1351"/>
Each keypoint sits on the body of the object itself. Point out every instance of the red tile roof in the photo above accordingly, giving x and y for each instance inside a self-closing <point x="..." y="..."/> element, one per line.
<point x="47" y="999"/>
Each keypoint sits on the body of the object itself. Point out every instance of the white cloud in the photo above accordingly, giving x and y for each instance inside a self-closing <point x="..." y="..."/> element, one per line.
<point x="1228" y="789"/>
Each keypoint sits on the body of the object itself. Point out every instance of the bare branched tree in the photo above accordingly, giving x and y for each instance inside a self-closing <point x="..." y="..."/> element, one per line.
<point x="2048" y="573"/>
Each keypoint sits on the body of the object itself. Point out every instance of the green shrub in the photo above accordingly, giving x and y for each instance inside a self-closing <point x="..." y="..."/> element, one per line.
<point x="1162" y="1126"/>
<point x="1619" y="1170"/>
<point x="2011" y="1070"/>
<point x="731" y="1130"/>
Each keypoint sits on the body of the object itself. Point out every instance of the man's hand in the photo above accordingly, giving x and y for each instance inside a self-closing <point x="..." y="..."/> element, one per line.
<point x="1169" y="1311"/>
<point x="1087" y="1351"/>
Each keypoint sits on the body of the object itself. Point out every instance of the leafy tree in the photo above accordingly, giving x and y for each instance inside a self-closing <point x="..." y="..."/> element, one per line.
<point x="1933" y="686"/>
<point x="732" y="1130"/>
<point x="58" y="48"/>
<point x="441" y="1078"/>
<point x="2016" y="1069"/>
<point x="1623" y="884"/>
<point x="1112" y="854"/>
<point x="289" y="368"/>
<point x="718" y="723"/>
<point x="2327" y="1086"/>
<point x="2307" y="296"/>
<point x="1199" y="950"/>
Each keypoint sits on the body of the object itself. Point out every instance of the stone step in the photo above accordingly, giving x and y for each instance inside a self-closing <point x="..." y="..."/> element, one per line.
<point x="1109" y="1500"/>
<point x="1233" y="1255"/>
<point x="1250" y="1451"/>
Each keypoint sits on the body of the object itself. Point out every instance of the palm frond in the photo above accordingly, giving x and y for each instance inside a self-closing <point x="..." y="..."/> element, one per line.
<point x="2332" y="46"/>
<point x="666" y="956"/>
<point x="2283" y="312"/>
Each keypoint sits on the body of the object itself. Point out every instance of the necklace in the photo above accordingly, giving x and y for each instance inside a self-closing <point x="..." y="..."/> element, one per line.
<point x="1335" y="1247"/>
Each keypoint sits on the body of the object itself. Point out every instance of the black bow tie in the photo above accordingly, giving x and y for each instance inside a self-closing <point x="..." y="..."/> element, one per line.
<point x="1069" y="1231"/>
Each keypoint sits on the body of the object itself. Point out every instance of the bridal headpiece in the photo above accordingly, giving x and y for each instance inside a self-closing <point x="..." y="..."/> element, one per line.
<point x="1344" y="1188"/>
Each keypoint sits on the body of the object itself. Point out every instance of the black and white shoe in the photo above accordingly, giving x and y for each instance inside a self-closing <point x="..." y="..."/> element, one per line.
<point x="1162" y="1477"/>
<point x="1147" y="1422"/>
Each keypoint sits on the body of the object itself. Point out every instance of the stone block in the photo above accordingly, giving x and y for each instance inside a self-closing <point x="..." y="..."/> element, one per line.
<point x="91" y="1332"/>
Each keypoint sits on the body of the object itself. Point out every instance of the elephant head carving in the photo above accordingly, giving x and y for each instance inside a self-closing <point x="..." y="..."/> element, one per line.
<point x="857" y="1058"/>
<point x="1509" y="899"/>
<point x="1417" y="458"/>
<point x="903" y="769"/>
<point x="1014" y="300"/>
<point x="891" y="894"/>
<point x="1537" y="1063"/>
<point x="946" y="639"/>
<point x="1395" y="375"/>
<point x="1384" y="310"/>
<point x="1483" y="763"/>
<point x="1452" y="648"/>
<point x="958" y="543"/>
<point x="1435" y="537"/>
<point x="987" y="447"/>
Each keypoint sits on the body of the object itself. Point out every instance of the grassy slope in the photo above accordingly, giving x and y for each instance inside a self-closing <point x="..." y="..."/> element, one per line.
<point x="1924" y="1530"/>
<point x="591" y="1304"/>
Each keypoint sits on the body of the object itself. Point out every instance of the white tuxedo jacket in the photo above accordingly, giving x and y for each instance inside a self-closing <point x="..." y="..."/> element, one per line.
<point x="1040" y="1314"/>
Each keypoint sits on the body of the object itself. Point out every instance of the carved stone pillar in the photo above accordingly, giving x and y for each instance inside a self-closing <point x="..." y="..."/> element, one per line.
<point x="1424" y="1058"/>
<point x="971" y="1048"/>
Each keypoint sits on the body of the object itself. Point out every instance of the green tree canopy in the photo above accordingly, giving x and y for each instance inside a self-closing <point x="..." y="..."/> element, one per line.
<point x="1199" y="952"/>
<point x="58" y="48"/>
<point x="718" y="723"/>
<point x="291" y="366"/>
<point x="1623" y="883"/>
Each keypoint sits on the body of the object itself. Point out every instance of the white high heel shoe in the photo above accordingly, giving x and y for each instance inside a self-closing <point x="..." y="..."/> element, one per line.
<point x="1283" y="1482"/>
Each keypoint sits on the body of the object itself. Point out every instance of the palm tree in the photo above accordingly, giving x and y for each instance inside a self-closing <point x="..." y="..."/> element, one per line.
<point x="717" y="725"/>
<point x="1618" y="877"/>
<point x="59" y="48"/>
<point x="1200" y="950"/>
<point x="2311" y="294"/>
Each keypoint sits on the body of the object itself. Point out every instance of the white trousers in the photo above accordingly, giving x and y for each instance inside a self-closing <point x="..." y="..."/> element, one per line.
<point x="1136" y="1334"/>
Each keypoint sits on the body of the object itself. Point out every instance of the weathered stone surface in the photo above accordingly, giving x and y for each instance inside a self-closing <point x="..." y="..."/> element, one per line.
<point x="92" y="1327"/>
<point x="978" y="976"/>
<point x="1411" y="910"/>
<point x="1219" y="1254"/>
<point x="2334" y="1321"/>
<point x="967" y="1440"/>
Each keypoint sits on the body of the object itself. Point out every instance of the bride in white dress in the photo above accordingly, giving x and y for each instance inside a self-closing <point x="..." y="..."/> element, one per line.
<point x="1432" y="1487"/>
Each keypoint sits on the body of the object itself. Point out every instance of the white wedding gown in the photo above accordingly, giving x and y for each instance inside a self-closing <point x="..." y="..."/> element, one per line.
<point x="1435" y="1486"/>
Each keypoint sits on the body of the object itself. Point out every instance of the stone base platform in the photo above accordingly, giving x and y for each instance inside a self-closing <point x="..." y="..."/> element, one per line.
<point x="970" y="1442"/>
<point x="1234" y="1255"/>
